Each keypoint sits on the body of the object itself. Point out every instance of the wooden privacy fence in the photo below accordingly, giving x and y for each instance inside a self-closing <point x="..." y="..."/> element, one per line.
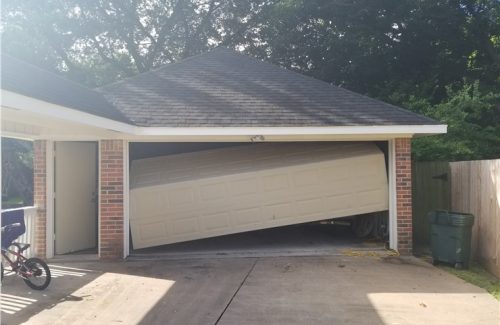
<point x="475" y="189"/>
<point x="468" y="187"/>
<point x="431" y="191"/>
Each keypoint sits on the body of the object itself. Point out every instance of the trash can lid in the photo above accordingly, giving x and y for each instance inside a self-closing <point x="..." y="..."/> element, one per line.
<point x="457" y="219"/>
<point x="461" y="219"/>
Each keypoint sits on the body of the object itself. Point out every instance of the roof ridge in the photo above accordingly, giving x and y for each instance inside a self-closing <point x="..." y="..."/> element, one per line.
<point x="162" y="66"/>
<point x="211" y="51"/>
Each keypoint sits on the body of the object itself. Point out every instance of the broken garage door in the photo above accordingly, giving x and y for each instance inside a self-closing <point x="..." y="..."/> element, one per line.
<point x="223" y="191"/>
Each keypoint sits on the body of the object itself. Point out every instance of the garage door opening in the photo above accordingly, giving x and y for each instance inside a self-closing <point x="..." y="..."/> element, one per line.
<point x="333" y="237"/>
<point x="222" y="196"/>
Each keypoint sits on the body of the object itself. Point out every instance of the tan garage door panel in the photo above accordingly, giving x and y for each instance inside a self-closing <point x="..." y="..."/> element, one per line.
<point x="271" y="185"/>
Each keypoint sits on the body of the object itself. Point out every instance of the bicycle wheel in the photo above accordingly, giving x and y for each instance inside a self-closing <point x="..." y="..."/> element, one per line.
<point x="37" y="273"/>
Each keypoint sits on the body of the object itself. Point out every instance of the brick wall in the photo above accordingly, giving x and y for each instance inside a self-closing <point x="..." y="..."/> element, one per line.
<point x="111" y="199"/>
<point x="39" y="196"/>
<point x="403" y="192"/>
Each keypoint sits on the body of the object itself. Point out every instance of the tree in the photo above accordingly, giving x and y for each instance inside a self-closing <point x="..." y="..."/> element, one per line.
<point x="373" y="47"/>
<point x="96" y="42"/>
<point x="386" y="46"/>
<point x="17" y="170"/>
<point x="473" y="120"/>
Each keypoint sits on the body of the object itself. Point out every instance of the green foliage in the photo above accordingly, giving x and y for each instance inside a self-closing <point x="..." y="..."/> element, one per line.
<point x="386" y="46"/>
<point x="373" y="47"/>
<point x="17" y="172"/>
<point x="96" y="42"/>
<point x="473" y="120"/>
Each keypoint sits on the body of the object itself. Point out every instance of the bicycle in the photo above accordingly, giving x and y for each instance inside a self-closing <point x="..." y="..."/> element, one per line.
<point x="34" y="271"/>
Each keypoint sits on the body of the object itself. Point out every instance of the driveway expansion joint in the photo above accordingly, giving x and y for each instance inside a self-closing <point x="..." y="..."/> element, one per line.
<point x="236" y="291"/>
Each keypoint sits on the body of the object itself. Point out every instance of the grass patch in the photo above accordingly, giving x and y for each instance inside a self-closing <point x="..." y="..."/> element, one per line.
<point x="478" y="276"/>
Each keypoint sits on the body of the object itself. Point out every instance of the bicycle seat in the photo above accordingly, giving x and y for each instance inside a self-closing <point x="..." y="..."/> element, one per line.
<point x="22" y="246"/>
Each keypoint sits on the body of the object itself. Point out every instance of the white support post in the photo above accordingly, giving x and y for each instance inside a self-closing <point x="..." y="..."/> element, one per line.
<point x="49" y="192"/>
<point x="393" y="214"/>
<point x="126" y="206"/>
<point x="99" y="198"/>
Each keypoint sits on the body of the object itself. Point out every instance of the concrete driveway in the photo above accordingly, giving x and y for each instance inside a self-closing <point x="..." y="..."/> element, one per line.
<point x="271" y="290"/>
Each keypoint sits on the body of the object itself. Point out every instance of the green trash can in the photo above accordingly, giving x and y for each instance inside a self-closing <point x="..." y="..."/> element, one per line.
<point x="451" y="238"/>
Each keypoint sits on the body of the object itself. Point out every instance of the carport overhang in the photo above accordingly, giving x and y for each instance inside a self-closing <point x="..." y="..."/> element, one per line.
<point x="28" y="118"/>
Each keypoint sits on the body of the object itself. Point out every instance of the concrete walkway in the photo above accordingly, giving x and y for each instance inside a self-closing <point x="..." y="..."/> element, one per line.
<point x="274" y="290"/>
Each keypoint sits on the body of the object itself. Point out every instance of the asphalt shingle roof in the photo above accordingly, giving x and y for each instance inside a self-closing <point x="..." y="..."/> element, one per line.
<point x="223" y="88"/>
<point x="29" y="80"/>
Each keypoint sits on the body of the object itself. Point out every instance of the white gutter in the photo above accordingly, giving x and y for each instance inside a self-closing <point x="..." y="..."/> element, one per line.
<point x="28" y="104"/>
<point x="267" y="131"/>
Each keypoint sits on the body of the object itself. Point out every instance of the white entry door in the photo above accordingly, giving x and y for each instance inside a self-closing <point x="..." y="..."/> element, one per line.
<point x="75" y="196"/>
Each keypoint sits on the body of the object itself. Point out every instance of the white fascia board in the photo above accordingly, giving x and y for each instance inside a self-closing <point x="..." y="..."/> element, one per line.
<point x="409" y="130"/>
<point x="28" y="104"/>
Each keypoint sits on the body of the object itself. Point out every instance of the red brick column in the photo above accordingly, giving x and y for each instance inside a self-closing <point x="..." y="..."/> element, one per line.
<point x="403" y="193"/>
<point x="39" y="196"/>
<point x="111" y="208"/>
